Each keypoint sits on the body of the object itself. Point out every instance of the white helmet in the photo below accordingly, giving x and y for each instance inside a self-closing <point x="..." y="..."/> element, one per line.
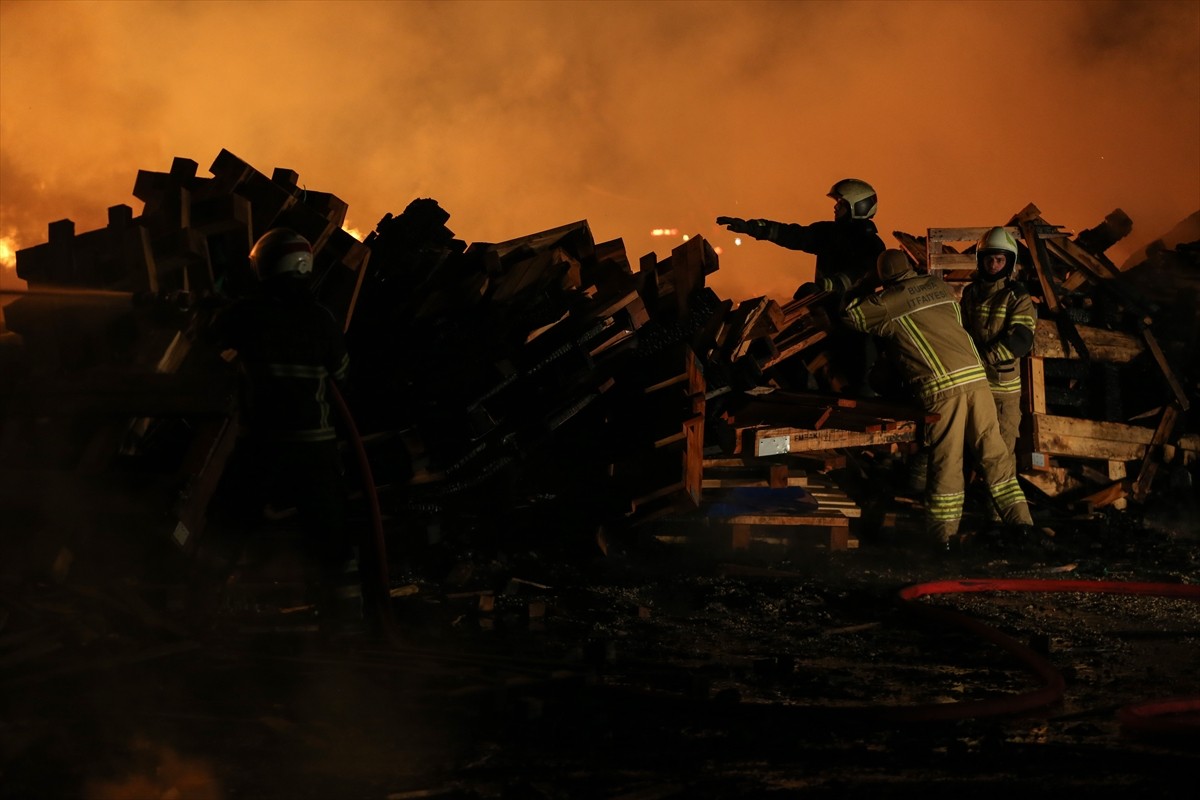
<point x="859" y="196"/>
<point x="997" y="241"/>
<point x="281" y="251"/>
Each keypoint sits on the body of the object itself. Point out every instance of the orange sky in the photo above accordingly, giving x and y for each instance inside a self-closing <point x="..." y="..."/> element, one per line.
<point x="518" y="117"/>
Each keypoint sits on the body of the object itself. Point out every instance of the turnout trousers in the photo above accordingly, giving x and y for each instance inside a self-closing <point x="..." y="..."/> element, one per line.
<point x="1008" y="415"/>
<point x="967" y="420"/>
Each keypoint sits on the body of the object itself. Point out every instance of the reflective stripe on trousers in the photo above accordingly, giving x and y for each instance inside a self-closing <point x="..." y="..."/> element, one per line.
<point x="968" y="418"/>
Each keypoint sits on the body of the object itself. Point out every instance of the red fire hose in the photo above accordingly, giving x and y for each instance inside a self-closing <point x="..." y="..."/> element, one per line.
<point x="1166" y="715"/>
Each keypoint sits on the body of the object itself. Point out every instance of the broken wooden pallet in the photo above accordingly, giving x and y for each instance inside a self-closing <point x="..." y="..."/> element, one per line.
<point x="728" y="473"/>
<point x="763" y="534"/>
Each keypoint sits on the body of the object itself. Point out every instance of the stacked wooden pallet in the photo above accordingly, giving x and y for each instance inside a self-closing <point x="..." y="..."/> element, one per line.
<point x="491" y="378"/>
<point x="766" y="507"/>
<point x="1102" y="396"/>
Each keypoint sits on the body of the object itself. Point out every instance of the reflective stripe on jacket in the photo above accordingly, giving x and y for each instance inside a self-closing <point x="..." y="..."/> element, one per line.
<point x="292" y="349"/>
<point x="1001" y="318"/>
<point x="920" y="318"/>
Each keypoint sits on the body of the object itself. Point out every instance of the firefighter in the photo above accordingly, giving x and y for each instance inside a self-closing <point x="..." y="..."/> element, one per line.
<point x="846" y="249"/>
<point x="920" y="320"/>
<point x="291" y="351"/>
<point x="999" y="314"/>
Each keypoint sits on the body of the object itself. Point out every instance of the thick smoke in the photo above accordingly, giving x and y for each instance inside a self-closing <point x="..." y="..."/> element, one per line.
<point x="521" y="116"/>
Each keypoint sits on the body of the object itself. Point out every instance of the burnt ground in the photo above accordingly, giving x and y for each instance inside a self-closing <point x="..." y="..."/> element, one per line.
<point x="654" y="671"/>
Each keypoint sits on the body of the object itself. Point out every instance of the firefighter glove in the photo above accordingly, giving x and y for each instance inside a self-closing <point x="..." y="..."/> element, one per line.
<point x="758" y="228"/>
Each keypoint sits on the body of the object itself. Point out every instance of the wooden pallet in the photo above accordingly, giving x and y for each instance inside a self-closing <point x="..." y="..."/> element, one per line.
<point x="1061" y="266"/>
<point x="728" y="473"/>
<point x="769" y="534"/>
<point x="830" y="526"/>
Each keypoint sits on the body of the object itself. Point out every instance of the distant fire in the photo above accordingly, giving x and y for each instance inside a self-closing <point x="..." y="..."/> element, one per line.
<point x="353" y="231"/>
<point x="161" y="773"/>
<point x="8" y="252"/>
<point x="665" y="232"/>
<point x="8" y="273"/>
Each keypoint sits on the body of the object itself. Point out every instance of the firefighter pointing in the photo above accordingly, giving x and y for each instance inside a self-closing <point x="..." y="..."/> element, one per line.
<point x="846" y="249"/>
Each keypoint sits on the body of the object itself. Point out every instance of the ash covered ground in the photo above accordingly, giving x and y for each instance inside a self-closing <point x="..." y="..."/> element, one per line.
<point x="654" y="671"/>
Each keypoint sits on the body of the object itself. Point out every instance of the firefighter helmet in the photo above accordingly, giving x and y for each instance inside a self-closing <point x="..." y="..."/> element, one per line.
<point x="892" y="265"/>
<point x="997" y="241"/>
<point x="859" y="196"/>
<point x="280" y="252"/>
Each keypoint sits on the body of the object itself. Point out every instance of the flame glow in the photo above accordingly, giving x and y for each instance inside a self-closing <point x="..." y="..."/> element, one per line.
<point x="430" y="101"/>
<point x="8" y="252"/>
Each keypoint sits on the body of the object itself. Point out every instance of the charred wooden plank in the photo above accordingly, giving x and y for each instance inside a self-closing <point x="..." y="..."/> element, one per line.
<point x="1102" y="345"/>
<point x="1151" y="459"/>
<point x="774" y="441"/>
<point x="1082" y="438"/>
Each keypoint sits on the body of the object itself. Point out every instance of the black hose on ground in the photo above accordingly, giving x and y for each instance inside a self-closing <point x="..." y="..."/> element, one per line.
<point x="376" y="581"/>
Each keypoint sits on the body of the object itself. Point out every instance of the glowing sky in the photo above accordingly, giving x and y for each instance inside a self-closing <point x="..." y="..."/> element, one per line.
<point x="518" y="117"/>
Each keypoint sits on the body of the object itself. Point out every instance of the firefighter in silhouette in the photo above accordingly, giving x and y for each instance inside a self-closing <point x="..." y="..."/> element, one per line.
<point x="846" y="249"/>
<point x="920" y="320"/>
<point x="291" y="351"/>
<point x="999" y="314"/>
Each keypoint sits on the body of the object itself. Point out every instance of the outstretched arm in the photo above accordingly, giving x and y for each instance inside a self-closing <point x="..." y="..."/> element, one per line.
<point x="758" y="228"/>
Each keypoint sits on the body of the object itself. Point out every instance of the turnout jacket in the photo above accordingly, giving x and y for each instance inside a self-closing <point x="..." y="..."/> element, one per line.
<point x="921" y="319"/>
<point x="846" y="251"/>
<point x="1001" y="319"/>
<point x="291" y="348"/>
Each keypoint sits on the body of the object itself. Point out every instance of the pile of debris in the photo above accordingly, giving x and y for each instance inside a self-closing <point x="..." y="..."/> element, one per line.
<point x="1112" y="375"/>
<point x="537" y="380"/>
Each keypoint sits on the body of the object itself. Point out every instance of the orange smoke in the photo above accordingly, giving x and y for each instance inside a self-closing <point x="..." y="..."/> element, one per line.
<point x="521" y="116"/>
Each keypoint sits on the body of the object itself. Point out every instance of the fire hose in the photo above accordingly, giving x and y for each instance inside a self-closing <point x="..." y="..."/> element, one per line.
<point x="376" y="582"/>
<point x="1163" y="715"/>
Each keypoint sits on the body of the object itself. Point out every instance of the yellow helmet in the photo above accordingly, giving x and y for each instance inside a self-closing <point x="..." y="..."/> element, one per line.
<point x="859" y="196"/>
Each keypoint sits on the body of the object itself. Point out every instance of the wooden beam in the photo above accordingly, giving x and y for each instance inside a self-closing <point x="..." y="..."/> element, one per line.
<point x="1033" y="385"/>
<point x="1041" y="262"/>
<point x="773" y="441"/>
<point x="952" y="261"/>
<point x="1072" y="253"/>
<point x="972" y="235"/>
<point x="1150" y="461"/>
<point x="1082" y="438"/>
<point x="1110" y="346"/>
<point x="1052" y="481"/>
<point x="795" y="346"/>
<point x="1108" y="496"/>
<point x="1152" y="343"/>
